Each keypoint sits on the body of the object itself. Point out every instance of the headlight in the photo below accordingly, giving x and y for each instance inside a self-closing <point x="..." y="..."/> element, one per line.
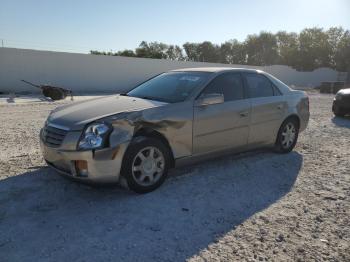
<point x="95" y="136"/>
<point x="338" y="97"/>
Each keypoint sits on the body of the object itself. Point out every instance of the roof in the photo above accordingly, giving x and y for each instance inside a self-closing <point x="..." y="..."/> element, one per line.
<point x="214" y="69"/>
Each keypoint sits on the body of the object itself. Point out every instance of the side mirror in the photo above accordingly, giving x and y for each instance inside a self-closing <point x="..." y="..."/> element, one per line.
<point x="210" y="99"/>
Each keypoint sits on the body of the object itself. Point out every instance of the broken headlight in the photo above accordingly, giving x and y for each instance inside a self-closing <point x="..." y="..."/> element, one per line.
<point x="95" y="136"/>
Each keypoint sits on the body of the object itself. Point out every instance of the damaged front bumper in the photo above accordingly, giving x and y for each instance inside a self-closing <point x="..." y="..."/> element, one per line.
<point x="102" y="166"/>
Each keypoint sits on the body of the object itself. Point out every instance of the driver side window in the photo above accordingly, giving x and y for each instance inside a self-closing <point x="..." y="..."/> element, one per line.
<point x="229" y="84"/>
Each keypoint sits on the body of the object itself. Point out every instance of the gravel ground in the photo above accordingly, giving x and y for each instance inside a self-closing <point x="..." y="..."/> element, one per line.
<point x="255" y="206"/>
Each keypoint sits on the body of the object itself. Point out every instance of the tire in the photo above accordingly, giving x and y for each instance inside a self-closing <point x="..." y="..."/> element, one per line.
<point x="142" y="172"/>
<point x="286" y="141"/>
<point x="339" y="114"/>
<point x="337" y="111"/>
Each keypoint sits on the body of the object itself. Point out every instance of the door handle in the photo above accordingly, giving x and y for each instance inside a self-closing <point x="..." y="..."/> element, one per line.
<point x="243" y="114"/>
<point x="280" y="107"/>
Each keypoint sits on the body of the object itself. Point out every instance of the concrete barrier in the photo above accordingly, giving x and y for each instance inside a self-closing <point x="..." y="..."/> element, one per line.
<point x="84" y="73"/>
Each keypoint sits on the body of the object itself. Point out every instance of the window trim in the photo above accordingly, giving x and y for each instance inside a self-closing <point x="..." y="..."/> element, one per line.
<point x="245" y="92"/>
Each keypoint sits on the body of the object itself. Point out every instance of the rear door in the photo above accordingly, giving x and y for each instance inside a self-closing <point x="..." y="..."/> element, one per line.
<point x="224" y="125"/>
<point x="268" y="109"/>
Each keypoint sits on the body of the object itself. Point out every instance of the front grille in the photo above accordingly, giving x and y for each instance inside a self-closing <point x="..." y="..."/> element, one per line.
<point x="53" y="136"/>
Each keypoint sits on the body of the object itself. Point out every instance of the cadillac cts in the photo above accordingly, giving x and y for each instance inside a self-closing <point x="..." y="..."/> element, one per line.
<point x="174" y="118"/>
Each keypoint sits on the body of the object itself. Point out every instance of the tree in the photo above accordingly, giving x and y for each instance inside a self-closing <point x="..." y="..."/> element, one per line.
<point x="311" y="49"/>
<point x="151" y="50"/>
<point x="192" y="51"/>
<point x="174" y="53"/>
<point x="202" y="52"/>
<point x="126" y="52"/>
<point x="287" y="46"/>
<point x="335" y="36"/>
<point x="261" y="49"/>
<point x="233" y="52"/>
<point x="209" y="52"/>
<point x="94" y="52"/>
<point x="342" y="54"/>
<point x="314" y="49"/>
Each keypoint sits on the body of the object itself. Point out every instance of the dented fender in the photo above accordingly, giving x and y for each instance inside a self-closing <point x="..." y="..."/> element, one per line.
<point x="172" y="121"/>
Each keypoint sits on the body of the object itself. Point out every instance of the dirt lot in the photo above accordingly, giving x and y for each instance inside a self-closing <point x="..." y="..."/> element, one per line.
<point x="256" y="206"/>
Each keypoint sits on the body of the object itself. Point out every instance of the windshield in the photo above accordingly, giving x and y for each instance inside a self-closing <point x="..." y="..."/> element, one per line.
<point x="170" y="87"/>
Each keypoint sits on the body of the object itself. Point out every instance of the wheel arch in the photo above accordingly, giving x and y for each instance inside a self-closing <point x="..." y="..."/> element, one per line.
<point x="277" y="146"/>
<point x="292" y="116"/>
<point x="150" y="132"/>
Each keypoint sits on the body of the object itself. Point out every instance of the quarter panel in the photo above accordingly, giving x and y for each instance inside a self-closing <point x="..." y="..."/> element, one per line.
<point x="298" y="104"/>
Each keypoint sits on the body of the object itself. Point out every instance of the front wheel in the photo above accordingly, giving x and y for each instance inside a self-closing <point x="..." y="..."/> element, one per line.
<point x="145" y="165"/>
<point x="337" y="111"/>
<point x="287" y="136"/>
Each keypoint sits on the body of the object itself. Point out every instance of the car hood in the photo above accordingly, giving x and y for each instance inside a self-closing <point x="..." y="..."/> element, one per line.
<point x="75" y="116"/>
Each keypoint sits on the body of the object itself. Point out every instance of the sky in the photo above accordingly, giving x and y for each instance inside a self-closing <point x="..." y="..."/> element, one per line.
<point x="107" y="25"/>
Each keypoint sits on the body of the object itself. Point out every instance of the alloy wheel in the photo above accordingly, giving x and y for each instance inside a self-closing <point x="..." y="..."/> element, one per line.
<point x="148" y="166"/>
<point x="288" y="135"/>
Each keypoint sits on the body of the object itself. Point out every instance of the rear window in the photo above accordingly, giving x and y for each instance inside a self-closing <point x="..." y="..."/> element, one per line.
<point x="230" y="85"/>
<point x="259" y="86"/>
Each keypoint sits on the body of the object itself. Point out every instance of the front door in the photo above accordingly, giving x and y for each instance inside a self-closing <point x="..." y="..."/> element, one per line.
<point x="224" y="125"/>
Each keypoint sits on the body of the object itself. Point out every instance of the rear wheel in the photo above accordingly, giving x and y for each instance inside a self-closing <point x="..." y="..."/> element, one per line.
<point x="287" y="136"/>
<point x="145" y="165"/>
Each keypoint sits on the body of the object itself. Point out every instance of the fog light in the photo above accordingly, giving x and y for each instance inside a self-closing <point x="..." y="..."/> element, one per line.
<point x="81" y="167"/>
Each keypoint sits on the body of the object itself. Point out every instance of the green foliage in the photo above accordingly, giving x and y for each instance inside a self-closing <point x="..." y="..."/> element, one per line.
<point x="288" y="48"/>
<point x="126" y="52"/>
<point x="233" y="52"/>
<point x="314" y="49"/>
<point x="152" y="50"/>
<point x="310" y="49"/>
<point x="191" y="51"/>
<point x="261" y="49"/>
<point x="342" y="53"/>
<point x="174" y="53"/>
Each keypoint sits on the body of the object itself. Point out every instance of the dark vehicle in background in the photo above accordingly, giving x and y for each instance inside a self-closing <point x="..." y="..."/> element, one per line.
<point x="341" y="103"/>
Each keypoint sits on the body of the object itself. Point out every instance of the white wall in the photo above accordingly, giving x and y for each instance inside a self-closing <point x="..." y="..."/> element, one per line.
<point x="92" y="73"/>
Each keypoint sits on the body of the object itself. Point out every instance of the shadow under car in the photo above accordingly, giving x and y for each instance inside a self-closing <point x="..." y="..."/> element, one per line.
<point x="46" y="217"/>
